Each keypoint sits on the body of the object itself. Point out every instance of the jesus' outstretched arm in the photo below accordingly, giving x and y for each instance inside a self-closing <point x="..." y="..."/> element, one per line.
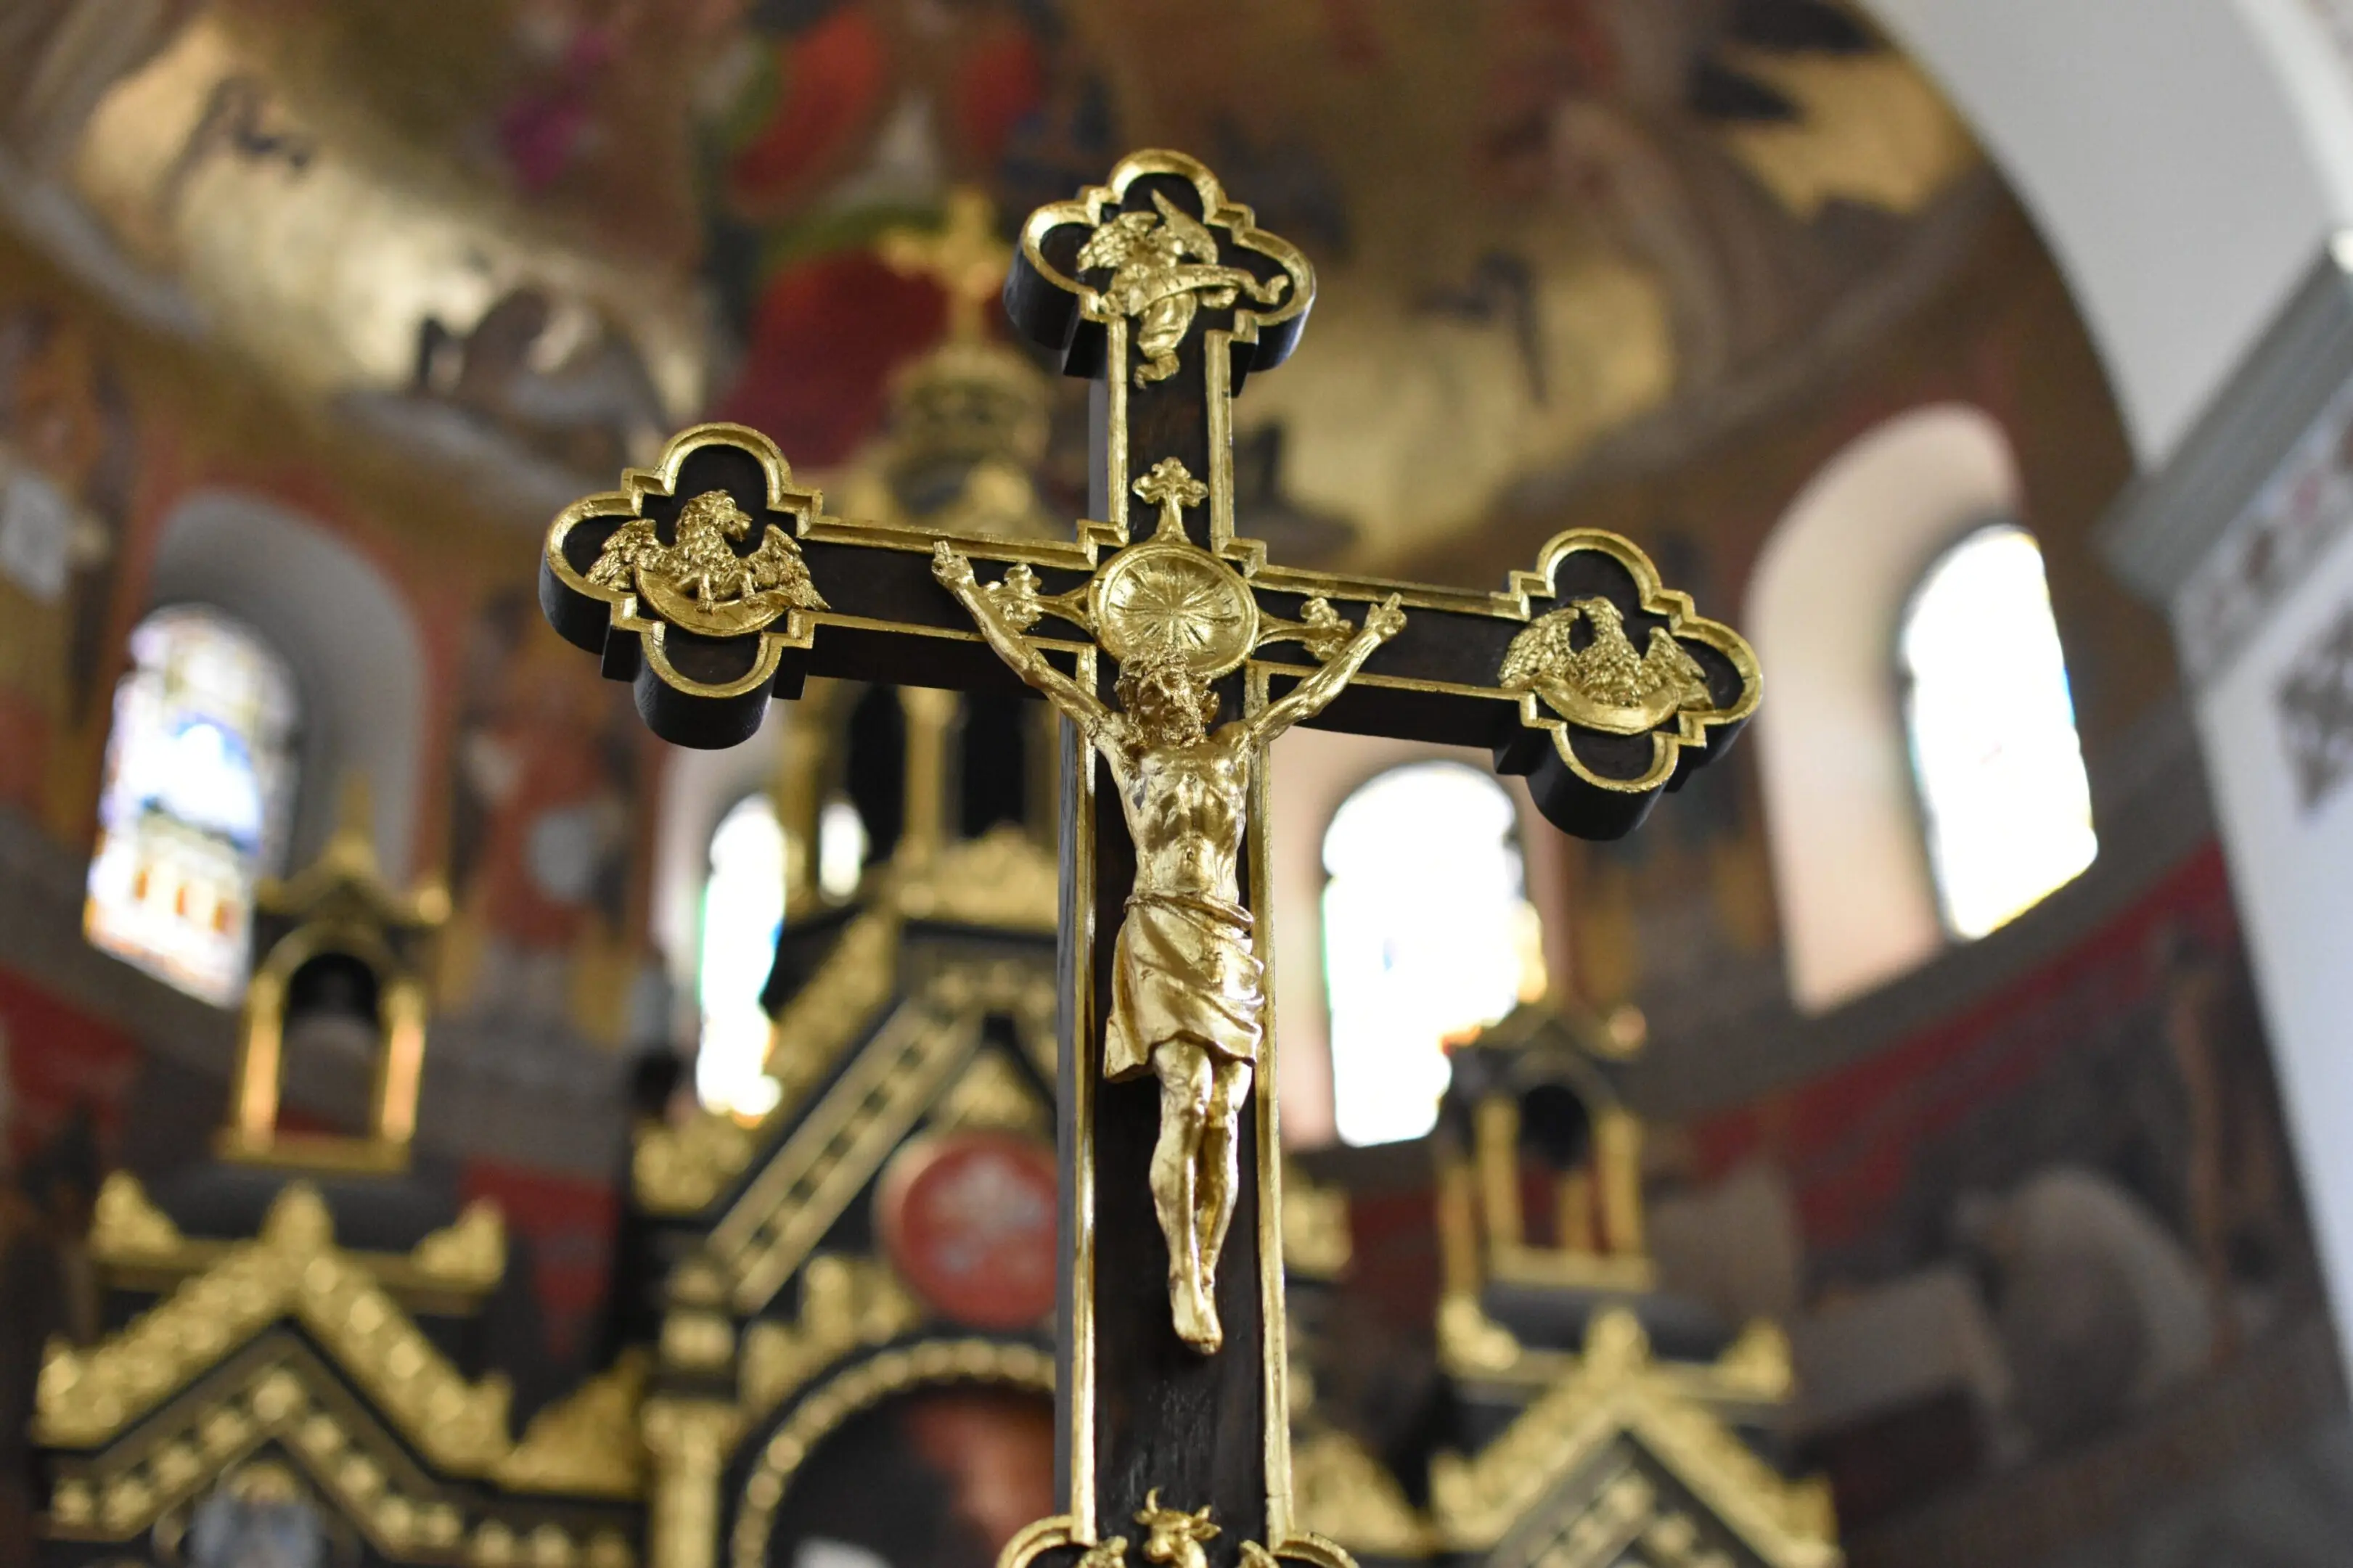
<point x="1307" y="699"/>
<point x="1087" y="711"/>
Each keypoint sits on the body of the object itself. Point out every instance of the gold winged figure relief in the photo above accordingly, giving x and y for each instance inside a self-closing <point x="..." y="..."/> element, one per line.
<point x="1604" y="685"/>
<point x="701" y="582"/>
<point x="1163" y="266"/>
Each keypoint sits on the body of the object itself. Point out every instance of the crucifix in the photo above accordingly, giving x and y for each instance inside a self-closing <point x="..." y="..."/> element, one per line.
<point x="1174" y="651"/>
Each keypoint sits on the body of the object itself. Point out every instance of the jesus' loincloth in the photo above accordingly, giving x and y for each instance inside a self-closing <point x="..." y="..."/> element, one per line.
<point x="1183" y="968"/>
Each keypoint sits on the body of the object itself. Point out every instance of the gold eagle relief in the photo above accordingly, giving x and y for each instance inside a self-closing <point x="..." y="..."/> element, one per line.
<point x="1164" y="268"/>
<point x="1604" y="685"/>
<point x="699" y="583"/>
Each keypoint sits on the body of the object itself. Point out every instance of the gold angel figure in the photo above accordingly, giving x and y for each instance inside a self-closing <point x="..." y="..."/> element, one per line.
<point x="1153" y="280"/>
<point x="701" y="582"/>
<point x="1187" y="991"/>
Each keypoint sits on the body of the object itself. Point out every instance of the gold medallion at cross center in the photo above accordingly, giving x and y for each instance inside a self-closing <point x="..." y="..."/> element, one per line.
<point x="1174" y="596"/>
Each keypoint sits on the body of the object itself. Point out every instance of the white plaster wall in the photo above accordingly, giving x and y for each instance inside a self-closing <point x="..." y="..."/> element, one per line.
<point x="2184" y="160"/>
<point x="1849" y="875"/>
<point x="2292" y="873"/>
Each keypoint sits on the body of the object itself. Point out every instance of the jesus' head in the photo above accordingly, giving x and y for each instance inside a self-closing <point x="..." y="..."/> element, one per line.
<point x="1170" y="703"/>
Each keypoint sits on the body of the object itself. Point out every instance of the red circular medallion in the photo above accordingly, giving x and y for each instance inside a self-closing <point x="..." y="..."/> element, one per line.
<point x="968" y="1221"/>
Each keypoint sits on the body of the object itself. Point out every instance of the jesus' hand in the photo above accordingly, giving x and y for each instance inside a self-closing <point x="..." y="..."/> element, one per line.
<point x="951" y="569"/>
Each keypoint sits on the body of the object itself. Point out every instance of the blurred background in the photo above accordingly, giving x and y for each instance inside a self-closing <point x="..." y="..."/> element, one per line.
<point x="1980" y="359"/>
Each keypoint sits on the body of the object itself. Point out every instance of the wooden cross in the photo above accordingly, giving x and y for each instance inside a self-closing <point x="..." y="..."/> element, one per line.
<point x="712" y="580"/>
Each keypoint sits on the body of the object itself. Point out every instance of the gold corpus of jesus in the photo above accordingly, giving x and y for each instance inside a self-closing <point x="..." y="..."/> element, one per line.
<point x="1187" y="991"/>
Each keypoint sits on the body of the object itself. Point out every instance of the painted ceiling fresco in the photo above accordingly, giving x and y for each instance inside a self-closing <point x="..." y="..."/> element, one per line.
<point x="531" y="236"/>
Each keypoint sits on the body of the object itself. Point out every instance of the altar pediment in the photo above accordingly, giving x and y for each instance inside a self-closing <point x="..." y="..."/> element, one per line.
<point x="289" y="1353"/>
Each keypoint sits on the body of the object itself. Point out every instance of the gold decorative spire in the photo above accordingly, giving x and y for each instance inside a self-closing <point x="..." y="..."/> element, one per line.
<point x="339" y="905"/>
<point x="964" y="256"/>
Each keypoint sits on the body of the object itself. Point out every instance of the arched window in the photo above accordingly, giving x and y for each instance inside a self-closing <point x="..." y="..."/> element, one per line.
<point x="200" y="782"/>
<point x="742" y="910"/>
<point x="1826" y="610"/>
<point x="1428" y="933"/>
<point x="2004" y="802"/>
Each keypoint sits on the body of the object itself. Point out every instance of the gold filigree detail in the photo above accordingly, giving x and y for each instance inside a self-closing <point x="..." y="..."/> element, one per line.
<point x="1316" y="1242"/>
<point x="294" y="1270"/>
<point x="1164" y="268"/>
<point x="127" y="1227"/>
<point x="1470" y="1341"/>
<point x="860" y="1388"/>
<point x="140" y="1246"/>
<point x="1018" y="599"/>
<point x="1758" y="1364"/>
<point x="588" y="1444"/>
<point x="469" y="1255"/>
<point x="698" y="1335"/>
<point x="842" y="1140"/>
<point x="1320" y="628"/>
<point x="682" y="1169"/>
<point x="847" y="1304"/>
<point x="1626" y="1519"/>
<point x="284" y="1397"/>
<point x="1001" y="879"/>
<point x="821" y="1020"/>
<point x="279" y="1393"/>
<point x="1604" y="685"/>
<point x="699" y="583"/>
<point x="1596" y="1532"/>
<point x="1170" y="486"/>
<point x="993" y="1093"/>
<point x="1340" y="1491"/>
<point x="689" y="1441"/>
<point x="1614" y="1391"/>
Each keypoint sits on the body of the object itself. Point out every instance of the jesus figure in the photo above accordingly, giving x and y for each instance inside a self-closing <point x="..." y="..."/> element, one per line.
<point x="1187" y="992"/>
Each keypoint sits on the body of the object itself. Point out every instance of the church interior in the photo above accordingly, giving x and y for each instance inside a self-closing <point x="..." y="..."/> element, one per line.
<point x="444" y="1121"/>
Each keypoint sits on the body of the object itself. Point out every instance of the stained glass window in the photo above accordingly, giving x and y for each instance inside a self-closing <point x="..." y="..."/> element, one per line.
<point x="1428" y="934"/>
<point x="2006" y="806"/>
<point x="742" y="910"/>
<point x="199" y="789"/>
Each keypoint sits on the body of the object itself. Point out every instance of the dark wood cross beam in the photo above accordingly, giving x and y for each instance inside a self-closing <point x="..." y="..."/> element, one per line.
<point x="712" y="581"/>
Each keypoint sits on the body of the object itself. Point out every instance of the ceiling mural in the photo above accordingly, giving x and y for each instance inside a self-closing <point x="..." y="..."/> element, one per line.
<point x="533" y="235"/>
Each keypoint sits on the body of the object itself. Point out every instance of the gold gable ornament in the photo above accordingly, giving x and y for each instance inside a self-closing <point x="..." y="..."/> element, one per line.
<point x="1589" y="1447"/>
<point x="343" y="926"/>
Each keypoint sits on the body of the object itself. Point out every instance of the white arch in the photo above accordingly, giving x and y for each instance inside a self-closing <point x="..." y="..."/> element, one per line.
<point x="2185" y="160"/>
<point x="355" y="652"/>
<point x="1857" y="903"/>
